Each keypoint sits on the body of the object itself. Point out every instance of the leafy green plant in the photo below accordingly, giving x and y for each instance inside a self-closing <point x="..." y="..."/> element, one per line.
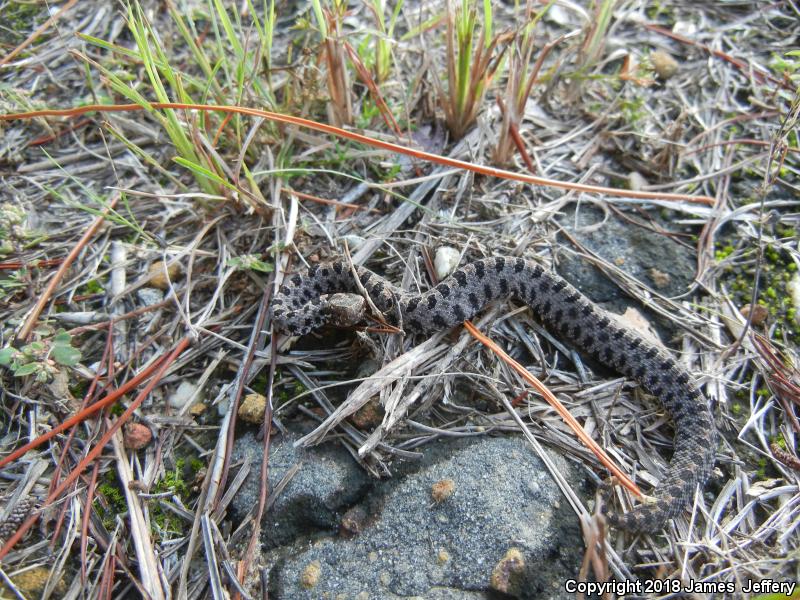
<point x="41" y="358"/>
<point x="788" y="65"/>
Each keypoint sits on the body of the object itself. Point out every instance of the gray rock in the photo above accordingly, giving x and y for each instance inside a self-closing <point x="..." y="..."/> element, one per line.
<point x="502" y="498"/>
<point x="635" y="250"/>
<point x="327" y="483"/>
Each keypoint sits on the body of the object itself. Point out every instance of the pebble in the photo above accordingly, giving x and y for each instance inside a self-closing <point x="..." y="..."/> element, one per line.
<point x="137" y="436"/>
<point x="759" y="314"/>
<point x="446" y="261"/>
<point x="252" y="408"/>
<point x="665" y="66"/>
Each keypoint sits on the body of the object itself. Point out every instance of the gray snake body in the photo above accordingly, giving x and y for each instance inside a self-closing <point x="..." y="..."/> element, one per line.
<point x="300" y="306"/>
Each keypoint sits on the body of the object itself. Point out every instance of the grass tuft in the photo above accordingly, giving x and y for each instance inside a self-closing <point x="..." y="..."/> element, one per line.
<point x="471" y="64"/>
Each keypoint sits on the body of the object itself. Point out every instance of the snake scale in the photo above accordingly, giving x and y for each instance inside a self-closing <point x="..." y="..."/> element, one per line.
<point x="301" y="305"/>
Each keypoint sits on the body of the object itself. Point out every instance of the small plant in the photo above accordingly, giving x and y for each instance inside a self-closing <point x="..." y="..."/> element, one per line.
<point x="329" y="22"/>
<point x="41" y="357"/>
<point x="12" y="219"/>
<point x="13" y="282"/>
<point x="382" y="65"/>
<point x="110" y="500"/>
<point x="521" y="78"/>
<point x="470" y="65"/>
<point x="788" y="67"/>
<point x="250" y="262"/>
<point x="595" y="40"/>
<point x="228" y="68"/>
<point x="173" y="483"/>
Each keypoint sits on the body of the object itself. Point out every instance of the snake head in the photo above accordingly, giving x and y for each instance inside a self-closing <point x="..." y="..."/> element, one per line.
<point x="340" y="310"/>
<point x="343" y="310"/>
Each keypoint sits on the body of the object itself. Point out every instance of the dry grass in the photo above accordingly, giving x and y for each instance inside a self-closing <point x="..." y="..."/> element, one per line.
<point x="88" y="204"/>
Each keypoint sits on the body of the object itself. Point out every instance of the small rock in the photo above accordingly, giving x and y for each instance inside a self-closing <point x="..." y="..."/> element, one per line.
<point x="309" y="578"/>
<point x="506" y="576"/>
<point x="326" y="483"/>
<point x="252" y="408"/>
<point x="446" y="261"/>
<point x="759" y="314"/>
<point x="443" y="556"/>
<point x="794" y="289"/>
<point x="149" y="296"/>
<point x="660" y="279"/>
<point x="59" y="386"/>
<point x="685" y="28"/>
<point x="31" y="583"/>
<point x="636" y="181"/>
<point x="137" y="436"/>
<point x="353" y="522"/>
<point x="198" y="408"/>
<point x="442" y="490"/>
<point x="160" y="277"/>
<point x="185" y="391"/>
<point x="369" y="416"/>
<point x="634" y="249"/>
<point x="560" y="16"/>
<point x="665" y="66"/>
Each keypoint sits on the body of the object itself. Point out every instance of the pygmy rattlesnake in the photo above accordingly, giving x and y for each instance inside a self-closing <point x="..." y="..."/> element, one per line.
<point x="302" y="305"/>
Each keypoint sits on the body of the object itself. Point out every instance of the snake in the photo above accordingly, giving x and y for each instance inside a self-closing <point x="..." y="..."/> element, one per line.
<point x="303" y="304"/>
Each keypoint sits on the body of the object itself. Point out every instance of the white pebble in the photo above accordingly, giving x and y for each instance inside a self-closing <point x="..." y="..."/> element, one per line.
<point x="636" y="181"/>
<point x="185" y="392"/>
<point x="685" y="28"/>
<point x="794" y="289"/>
<point x="446" y="261"/>
<point x="354" y="242"/>
<point x="149" y="296"/>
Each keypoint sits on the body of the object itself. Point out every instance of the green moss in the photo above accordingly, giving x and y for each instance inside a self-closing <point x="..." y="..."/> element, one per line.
<point x="175" y="483"/>
<point x="777" y="271"/>
<point x="724" y="253"/>
<point x="19" y="19"/>
<point x="110" y="501"/>
<point x="762" y="468"/>
<point x="92" y="287"/>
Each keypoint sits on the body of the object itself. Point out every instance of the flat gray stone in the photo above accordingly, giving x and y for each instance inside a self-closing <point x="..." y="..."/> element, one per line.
<point x="326" y="484"/>
<point x="636" y="250"/>
<point x="412" y="547"/>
